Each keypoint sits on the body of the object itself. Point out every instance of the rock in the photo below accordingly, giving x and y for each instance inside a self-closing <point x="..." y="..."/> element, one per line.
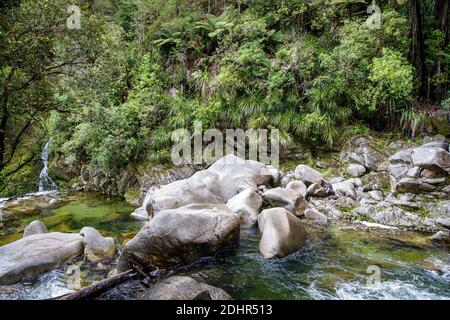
<point x="402" y="157"/>
<point x="183" y="288"/>
<point x="357" y="182"/>
<point x="219" y="183"/>
<point x="447" y="209"/>
<point x="183" y="234"/>
<point x="287" y="198"/>
<point x="407" y="185"/>
<point x="337" y="180"/>
<point x="376" y="181"/>
<point x="315" y="190"/>
<point x="97" y="247"/>
<point x="390" y="215"/>
<point x="345" y="188"/>
<point x="431" y="158"/>
<point x="308" y="175"/>
<point x="426" y="173"/>
<point x="297" y="186"/>
<point x="282" y="233"/>
<point x="28" y="257"/>
<point x="36" y="227"/>
<point x="376" y="195"/>
<point x="436" y="144"/>
<point x="285" y="181"/>
<point x="441" y="236"/>
<point x="445" y="222"/>
<point x="362" y="151"/>
<point x="375" y="225"/>
<point x="414" y="172"/>
<point x="247" y="205"/>
<point x="398" y="170"/>
<point x="316" y="216"/>
<point x="356" y="170"/>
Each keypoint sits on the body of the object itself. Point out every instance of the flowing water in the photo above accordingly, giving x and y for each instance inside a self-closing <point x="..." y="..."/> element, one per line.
<point x="45" y="182"/>
<point x="333" y="264"/>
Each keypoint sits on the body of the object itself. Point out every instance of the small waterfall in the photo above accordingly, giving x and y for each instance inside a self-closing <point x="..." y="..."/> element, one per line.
<point x="45" y="182"/>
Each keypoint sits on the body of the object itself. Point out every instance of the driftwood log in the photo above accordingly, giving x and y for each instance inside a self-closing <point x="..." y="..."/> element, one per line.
<point x="97" y="288"/>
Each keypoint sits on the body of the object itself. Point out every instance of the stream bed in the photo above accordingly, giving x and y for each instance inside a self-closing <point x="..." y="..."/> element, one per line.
<point x="333" y="265"/>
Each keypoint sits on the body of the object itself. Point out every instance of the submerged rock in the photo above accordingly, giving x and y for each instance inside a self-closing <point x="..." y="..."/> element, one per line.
<point x="282" y="233"/>
<point x="36" y="227"/>
<point x="36" y="254"/>
<point x="182" y="234"/>
<point x="183" y="288"/>
<point x="97" y="247"/>
<point x="247" y="205"/>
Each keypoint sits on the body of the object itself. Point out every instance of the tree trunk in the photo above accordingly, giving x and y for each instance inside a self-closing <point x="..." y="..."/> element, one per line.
<point x="416" y="49"/>
<point x="441" y="8"/>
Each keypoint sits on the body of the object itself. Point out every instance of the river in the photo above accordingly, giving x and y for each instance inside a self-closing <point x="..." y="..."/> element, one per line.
<point x="333" y="265"/>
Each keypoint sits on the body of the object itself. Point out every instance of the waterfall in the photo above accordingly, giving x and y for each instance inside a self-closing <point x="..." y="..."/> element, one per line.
<point x="45" y="182"/>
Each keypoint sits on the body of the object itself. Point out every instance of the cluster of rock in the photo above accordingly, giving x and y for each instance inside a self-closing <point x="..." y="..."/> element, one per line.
<point x="40" y="251"/>
<point x="200" y="215"/>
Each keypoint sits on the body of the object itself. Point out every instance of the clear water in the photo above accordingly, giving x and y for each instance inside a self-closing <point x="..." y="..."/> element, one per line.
<point x="333" y="264"/>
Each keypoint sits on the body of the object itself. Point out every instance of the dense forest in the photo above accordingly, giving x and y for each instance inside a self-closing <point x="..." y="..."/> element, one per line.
<point x="109" y="92"/>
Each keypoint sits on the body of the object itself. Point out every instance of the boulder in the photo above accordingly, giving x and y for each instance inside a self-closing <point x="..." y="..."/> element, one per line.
<point x="402" y="157"/>
<point x="289" y="199"/>
<point x="376" y="195"/>
<point x="362" y="151"/>
<point x="35" y="254"/>
<point x="436" y="144"/>
<point x="298" y="186"/>
<point x="441" y="236"/>
<point x="345" y="188"/>
<point x="431" y="158"/>
<point x="316" y="216"/>
<point x="444" y="222"/>
<point x="182" y="235"/>
<point x="247" y="205"/>
<point x="183" y="288"/>
<point x="36" y="227"/>
<point x="97" y="247"/>
<point x="337" y="180"/>
<point x="398" y="170"/>
<point x="356" y="170"/>
<point x="316" y="190"/>
<point x="219" y="183"/>
<point x="308" y="175"/>
<point x="282" y="233"/>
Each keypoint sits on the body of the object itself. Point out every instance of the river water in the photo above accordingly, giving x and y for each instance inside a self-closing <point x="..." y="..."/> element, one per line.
<point x="333" y="265"/>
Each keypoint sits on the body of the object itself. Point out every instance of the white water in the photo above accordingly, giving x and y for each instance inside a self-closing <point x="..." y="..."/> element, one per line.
<point x="45" y="182"/>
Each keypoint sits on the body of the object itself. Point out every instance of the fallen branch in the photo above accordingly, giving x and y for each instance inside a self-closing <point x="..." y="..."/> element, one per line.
<point x="97" y="288"/>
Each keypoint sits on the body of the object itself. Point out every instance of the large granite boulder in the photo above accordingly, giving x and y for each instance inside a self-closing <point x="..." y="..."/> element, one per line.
<point x="247" y="205"/>
<point x="36" y="254"/>
<point x="219" y="183"/>
<point x="97" y="247"/>
<point x="182" y="235"/>
<point x="431" y="158"/>
<point x="362" y="151"/>
<point x="282" y="233"/>
<point x="183" y="288"/>
<point x="286" y="198"/>
<point x="35" y="227"/>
